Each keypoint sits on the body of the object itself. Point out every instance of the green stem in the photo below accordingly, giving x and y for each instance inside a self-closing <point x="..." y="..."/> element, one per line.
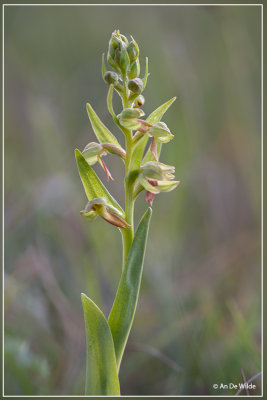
<point x="128" y="233"/>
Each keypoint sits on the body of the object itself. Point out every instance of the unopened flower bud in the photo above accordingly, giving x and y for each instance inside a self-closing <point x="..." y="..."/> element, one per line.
<point x="113" y="56"/>
<point x="124" y="59"/>
<point x="134" y="70"/>
<point x="124" y="39"/>
<point x="133" y="50"/>
<point x="115" y="40"/>
<point x="111" y="78"/>
<point x="139" y="101"/>
<point x="135" y="85"/>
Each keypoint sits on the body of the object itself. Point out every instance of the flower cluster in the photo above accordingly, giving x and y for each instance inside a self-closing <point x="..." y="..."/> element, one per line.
<point x="152" y="176"/>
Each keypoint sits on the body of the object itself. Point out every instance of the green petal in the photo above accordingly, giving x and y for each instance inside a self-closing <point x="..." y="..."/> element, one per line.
<point x="167" y="186"/>
<point x="91" y="215"/>
<point x="101" y="370"/>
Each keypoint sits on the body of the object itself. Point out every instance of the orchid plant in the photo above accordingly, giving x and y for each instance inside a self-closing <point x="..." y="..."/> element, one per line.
<point x="106" y="338"/>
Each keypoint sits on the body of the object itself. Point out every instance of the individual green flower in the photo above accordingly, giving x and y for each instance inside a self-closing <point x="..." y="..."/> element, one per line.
<point x="100" y="207"/>
<point x="129" y="118"/>
<point x="156" y="177"/>
<point x="159" y="133"/>
<point x="93" y="153"/>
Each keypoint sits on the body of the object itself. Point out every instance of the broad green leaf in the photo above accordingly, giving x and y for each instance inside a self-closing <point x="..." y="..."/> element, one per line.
<point x="101" y="131"/>
<point x="93" y="186"/>
<point x="101" y="370"/>
<point x="153" y="118"/>
<point x="123" y="309"/>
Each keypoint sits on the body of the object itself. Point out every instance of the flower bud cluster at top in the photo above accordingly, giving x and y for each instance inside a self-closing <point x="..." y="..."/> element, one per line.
<point x="123" y="57"/>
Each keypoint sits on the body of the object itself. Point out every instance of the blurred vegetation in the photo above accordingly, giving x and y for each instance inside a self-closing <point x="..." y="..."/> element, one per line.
<point x="198" y="318"/>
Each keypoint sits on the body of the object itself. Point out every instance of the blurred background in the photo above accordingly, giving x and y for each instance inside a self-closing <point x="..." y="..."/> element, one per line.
<point x="198" y="320"/>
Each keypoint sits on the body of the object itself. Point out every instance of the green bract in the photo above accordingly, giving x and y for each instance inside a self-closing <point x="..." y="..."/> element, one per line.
<point x="106" y="338"/>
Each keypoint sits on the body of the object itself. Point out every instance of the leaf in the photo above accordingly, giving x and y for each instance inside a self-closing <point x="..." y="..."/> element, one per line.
<point x="153" y="118"/>
<point x="138" y="153"/>
<point x="101" y="131"/>
<point x="101" y="370"/>
<point x="93" y="187"/>
<point x="123" y="309"/>
<point x="157" y="114"/>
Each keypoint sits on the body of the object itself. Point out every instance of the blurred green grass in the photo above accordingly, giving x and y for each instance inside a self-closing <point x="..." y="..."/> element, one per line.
<point x="198" y="318"/>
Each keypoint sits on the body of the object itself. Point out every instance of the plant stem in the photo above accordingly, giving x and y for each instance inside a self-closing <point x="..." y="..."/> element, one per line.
<point x="128" y="233"/>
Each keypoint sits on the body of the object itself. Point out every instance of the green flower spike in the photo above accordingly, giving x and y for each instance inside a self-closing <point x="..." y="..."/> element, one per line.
<point x="156" y="177"/>
<point x="106" y="211"/>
